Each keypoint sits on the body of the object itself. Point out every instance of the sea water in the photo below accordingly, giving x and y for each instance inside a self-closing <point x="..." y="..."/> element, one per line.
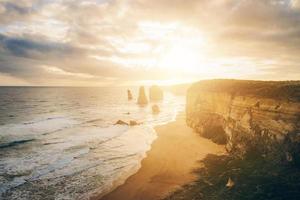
<point x="61" y="142"/>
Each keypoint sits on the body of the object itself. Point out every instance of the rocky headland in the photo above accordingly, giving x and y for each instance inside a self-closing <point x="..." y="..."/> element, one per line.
<point x="232" y="111"/>
<point x="259" y="123"/>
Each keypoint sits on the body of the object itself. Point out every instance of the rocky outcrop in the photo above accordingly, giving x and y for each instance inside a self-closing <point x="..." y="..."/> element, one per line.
<point x="239" y="111"/>
<point x="131" y="123"/>
<point x="121" y="122"/>
<point x="156" y="93"/>
<point x="134" y="123"/>
<point x="129" y="95"/>
<point x="155" y="109"/>
<point x="142" y="99"/>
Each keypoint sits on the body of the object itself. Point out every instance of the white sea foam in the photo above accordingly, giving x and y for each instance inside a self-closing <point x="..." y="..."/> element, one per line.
<point x="14" y="133"/>
<point x="78" y="153"/>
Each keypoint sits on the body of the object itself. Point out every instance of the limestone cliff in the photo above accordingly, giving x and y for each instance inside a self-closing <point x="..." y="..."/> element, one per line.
<point x="241" y="109"/>
<point x="142" y="98"/>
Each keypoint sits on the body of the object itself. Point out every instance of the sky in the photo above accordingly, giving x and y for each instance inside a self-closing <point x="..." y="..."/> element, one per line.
<point x="125" y="42"/>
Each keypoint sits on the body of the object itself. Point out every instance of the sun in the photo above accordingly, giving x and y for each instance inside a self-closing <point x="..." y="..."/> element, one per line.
<point x="180" y="58"/>
<point x="183" y="52"/>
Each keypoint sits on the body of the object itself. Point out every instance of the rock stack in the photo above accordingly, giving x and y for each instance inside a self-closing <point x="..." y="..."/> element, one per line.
<point x="142" y="99"/>
<point x="156" y="93"/>
<point x="131" y="123"/>
<point x="129" y="95"/>
<point x="155" y="109"/>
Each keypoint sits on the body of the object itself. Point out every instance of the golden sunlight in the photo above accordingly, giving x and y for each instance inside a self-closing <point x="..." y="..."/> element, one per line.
<point x="181" y="56"/>
<point x="180" y="47"/>
<point x="134" y="99"/>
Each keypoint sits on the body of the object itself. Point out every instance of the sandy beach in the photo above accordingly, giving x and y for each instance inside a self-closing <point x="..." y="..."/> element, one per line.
<point x="168" y="165"/>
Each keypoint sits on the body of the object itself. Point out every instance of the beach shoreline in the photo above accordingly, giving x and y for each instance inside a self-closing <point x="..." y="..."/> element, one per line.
<point x="169" y="163"/>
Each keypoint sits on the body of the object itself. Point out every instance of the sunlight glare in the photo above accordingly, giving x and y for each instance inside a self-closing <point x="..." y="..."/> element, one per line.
<point x="184" y="53"/>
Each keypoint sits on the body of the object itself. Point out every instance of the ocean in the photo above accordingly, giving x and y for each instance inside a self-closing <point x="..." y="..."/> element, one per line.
<point x="61" y="142"/>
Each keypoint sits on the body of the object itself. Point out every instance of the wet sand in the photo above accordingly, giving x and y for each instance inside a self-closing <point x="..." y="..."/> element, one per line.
<point x="168" y="165"/>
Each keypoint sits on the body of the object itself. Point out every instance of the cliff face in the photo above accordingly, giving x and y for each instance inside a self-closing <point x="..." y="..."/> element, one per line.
<point x="242" y="109"/>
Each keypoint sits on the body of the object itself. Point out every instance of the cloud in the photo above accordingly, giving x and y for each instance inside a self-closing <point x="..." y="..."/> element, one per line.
<point x="58" y="71"/>
<point x="7" y="80"/>
<point x="15" y="10"/>
<point x="295" y="4"/>
<point x="121" y="40"/>
<point x="29" y="48"/>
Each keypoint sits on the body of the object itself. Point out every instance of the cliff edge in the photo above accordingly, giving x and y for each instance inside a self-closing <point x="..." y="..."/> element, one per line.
<point x="260" y="124"/>
<point x="236" y="112"/>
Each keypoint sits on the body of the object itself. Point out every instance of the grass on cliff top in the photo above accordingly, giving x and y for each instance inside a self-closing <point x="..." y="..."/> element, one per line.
<point x="255" y="179"/>
<point x="287" y="90"/>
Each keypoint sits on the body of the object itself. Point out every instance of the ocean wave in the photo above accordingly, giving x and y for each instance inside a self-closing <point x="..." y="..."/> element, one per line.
<point x="15" y="134"/>
<point x="111" y="154"/>
<point x="77" y="153"/>
<point x="14" y="143"/>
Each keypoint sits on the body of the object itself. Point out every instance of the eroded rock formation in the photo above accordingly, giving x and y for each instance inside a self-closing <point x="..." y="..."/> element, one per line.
<point x="134" y="123"/>
<point x="131" y="123"/>
<point x="121" y="122"/>
<point x="239" y="112"/>
<point x="129" y="95"/>
<point x="156" y="93"/>
<point x="142" y="99"/>
<point x="155" y="109"/>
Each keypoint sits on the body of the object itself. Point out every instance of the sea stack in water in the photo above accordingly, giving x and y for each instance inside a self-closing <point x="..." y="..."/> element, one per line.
<point x="129" y="95"/>
<point x="155" y="109"/>
<point x="156" y="93"/>
<point x="121" y="122"/>
<point x="142" y="99"/>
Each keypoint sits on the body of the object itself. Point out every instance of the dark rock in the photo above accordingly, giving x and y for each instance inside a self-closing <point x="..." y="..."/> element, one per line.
<point x="129" y="94"/>
<point x="133" y="123"/>
<point x="121" y="122"/>
<point x="155" y="109"/>
<point x="156" y="93"/>
<point x="142" y="99"/>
